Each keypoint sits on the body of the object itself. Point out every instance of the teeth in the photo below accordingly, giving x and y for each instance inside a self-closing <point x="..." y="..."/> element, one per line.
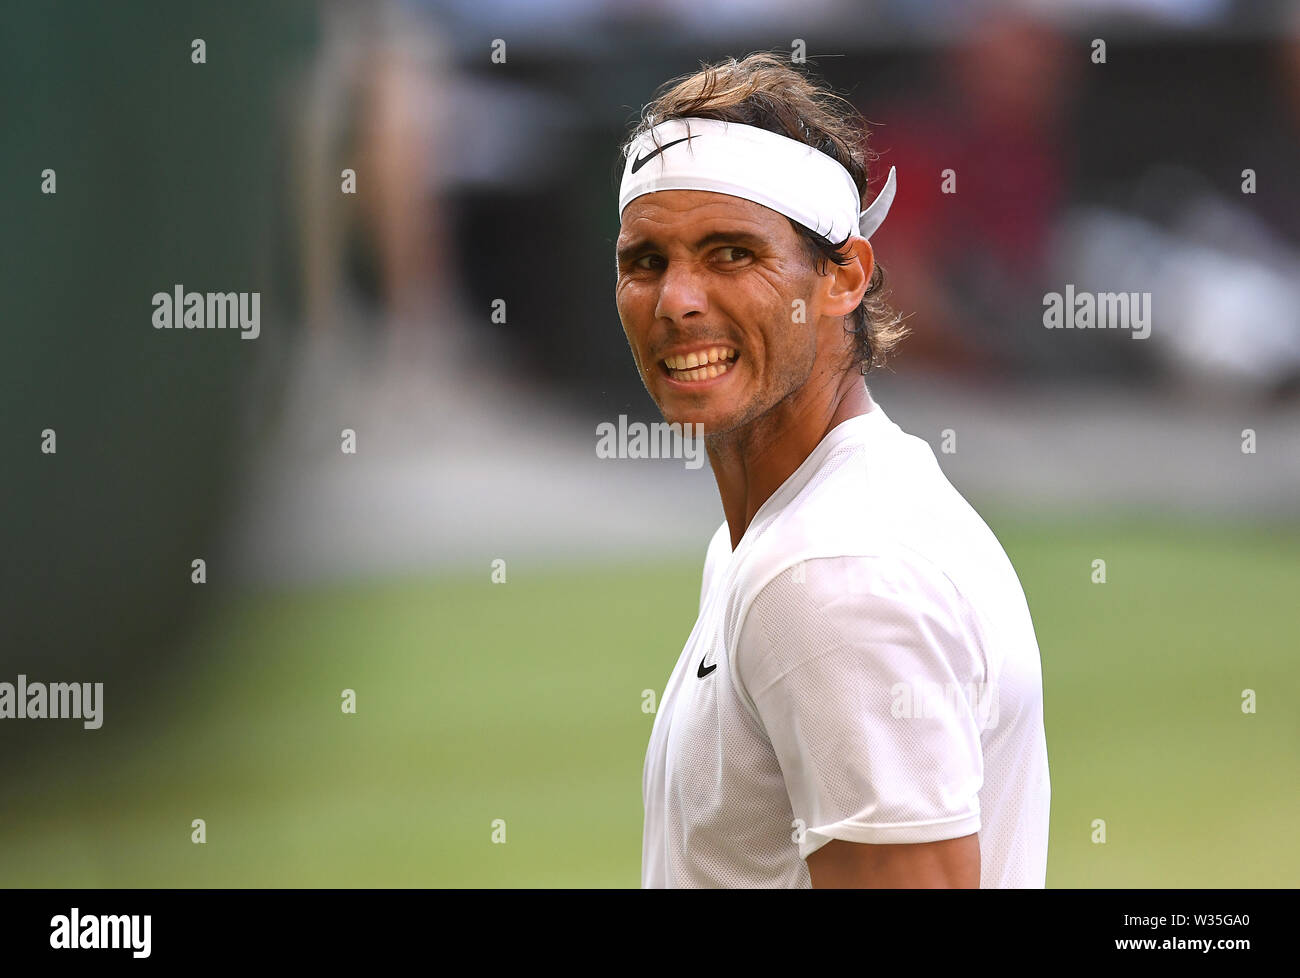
<point x="706" y="372"/>
<point x="700" y="358"/>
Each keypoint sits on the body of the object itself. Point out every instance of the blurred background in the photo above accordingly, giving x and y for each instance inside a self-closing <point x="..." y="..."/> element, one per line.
<point x="499" y="598"/>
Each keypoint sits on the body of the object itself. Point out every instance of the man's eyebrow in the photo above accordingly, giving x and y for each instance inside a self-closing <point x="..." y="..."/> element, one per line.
<point x="638" y="246"/>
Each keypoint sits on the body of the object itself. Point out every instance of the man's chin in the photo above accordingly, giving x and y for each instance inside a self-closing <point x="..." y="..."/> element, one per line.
<point x="713" y="404"/>
<point x="710" y="422"/>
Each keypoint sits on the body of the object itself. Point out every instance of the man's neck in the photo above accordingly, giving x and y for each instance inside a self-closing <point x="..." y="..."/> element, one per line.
<point x="751" y="466"/>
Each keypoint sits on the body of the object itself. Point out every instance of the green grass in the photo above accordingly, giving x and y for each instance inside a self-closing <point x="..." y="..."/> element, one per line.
<point x="522" y="701"/>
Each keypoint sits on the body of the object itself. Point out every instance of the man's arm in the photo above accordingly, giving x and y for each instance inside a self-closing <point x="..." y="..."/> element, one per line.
<point x="861" y="672"/>
<point x="949" y="863"/>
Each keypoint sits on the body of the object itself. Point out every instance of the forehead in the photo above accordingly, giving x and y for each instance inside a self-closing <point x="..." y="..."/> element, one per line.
<point x="669" y="213"/>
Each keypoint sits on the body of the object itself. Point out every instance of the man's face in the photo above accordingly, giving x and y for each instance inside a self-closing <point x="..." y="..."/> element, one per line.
<point x="707" y="273"/>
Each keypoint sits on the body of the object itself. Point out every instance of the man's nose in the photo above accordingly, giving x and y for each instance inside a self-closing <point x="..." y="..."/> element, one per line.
<point x="681" y="292"/>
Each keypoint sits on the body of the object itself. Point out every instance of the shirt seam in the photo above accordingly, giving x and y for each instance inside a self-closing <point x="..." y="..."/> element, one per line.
<point x="743" y="615"/>
<point x="853" y="823"/>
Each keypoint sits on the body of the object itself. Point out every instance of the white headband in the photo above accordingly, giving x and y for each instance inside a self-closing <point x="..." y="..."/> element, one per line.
<point x="790" y="177"/>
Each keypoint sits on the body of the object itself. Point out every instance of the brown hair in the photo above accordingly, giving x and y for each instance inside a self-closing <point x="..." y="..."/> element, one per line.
<point x="765" y="91"/>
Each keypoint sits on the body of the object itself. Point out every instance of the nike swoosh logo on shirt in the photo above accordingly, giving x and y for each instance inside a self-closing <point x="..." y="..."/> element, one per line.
<point x="702" y="672"/>
<point x="642" y="161"/>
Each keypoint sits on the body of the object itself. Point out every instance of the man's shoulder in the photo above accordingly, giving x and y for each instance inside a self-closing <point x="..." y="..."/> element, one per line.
<point x="886" y="497"/>
<point x="882" y="506"/>
<point x="845" y="512"/>
<point x="831" y="566"/>
<point x="916" y="536"/>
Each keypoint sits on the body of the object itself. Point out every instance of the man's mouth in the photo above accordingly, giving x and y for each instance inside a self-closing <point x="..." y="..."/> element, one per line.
<point x="699" y="364"/>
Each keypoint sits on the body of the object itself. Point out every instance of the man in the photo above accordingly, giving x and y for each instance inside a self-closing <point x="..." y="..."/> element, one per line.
<point x="860" y="701"/>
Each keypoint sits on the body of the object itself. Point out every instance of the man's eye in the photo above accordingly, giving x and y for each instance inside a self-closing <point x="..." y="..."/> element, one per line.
<point x="727" y="255"/>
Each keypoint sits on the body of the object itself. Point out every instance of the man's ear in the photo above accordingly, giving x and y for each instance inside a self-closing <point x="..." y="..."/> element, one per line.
<point x="849" y="282"/>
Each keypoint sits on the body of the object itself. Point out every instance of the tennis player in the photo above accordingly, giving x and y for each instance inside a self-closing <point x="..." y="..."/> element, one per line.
<point x="860" y="701"/>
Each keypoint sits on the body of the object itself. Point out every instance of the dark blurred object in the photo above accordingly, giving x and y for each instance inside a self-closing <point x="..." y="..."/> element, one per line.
<point x="165" y="174"/>
<point x="970" y="262"/>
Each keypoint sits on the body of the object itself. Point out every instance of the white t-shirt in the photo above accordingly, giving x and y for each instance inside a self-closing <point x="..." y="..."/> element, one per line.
<point x="863" y="667"/>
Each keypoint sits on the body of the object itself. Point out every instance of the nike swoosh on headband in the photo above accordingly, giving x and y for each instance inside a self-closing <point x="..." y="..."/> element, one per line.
<point x="642" y="161"/>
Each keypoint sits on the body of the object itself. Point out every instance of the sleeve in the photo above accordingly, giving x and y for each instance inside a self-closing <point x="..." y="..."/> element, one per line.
<point x="867" y="675"/>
